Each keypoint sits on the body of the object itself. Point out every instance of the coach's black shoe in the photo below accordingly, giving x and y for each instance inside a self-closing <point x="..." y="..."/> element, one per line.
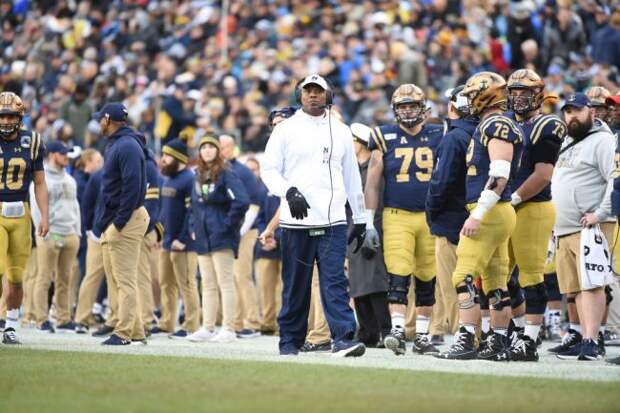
<point x="600" y="342"/>
<point x="66" y="327"/>
<point x="423" y="345"/>
<point x="495" y="349"/>
<point x="463" y="348"/>
<point x="395" y="341"/>
<point x="437" y="340"/>
<point x="570" y="340"/>
<point x="589" y="351"/>
<point x="115" y="340"/>
<point x="178" y="335"/>
<point x="47" y="327"/>
<point x="309" y="347"/>
<point x="156" y="330"/>
<point x="572" y="353"/>
<point x="523" y="350"/>
<point x="347" y="348"/>
<point x="10" y="336"/>
<point x="104" y="331"/>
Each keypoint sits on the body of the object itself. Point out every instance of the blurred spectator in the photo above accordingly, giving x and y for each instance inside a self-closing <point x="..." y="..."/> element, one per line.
<point x="76" y="111"/>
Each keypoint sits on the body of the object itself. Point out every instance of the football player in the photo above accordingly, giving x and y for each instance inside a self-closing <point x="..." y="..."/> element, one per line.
<point x="483" y="246"/>
<point x="403" y="154"/>
<point x="21" y="161"/>
<point x="531" y="198"/>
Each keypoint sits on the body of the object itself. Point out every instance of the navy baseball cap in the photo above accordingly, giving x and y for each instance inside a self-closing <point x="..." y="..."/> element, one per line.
<point x="55" y="146"/>
<point x="577" y="100"/>
<point x="116" y="111"/>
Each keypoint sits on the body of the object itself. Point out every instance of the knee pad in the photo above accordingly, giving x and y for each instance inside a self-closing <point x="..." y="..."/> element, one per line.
<point x="484" y="302"/>
<point x="471" y="290"/>
<point x="398" y="289"/>
<point x="608" y="295"/>
<point x="535" y="299"/>
<point x="424" y="292"/>
<point x="553" y="288"/>
<point x="498" y="299"/>
<point x="516" y="292"/>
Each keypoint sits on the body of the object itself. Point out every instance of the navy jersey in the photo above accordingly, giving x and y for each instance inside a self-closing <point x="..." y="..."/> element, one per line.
<point x="478" y="161"/>
<point x="542" y="139"/>
<point x="19" y="158"/>
<point x="407" y="164"/>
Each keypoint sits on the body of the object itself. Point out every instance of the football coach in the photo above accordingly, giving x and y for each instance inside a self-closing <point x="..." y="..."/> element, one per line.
<point x="122" y="219"/>
<point x="310" y="164"/>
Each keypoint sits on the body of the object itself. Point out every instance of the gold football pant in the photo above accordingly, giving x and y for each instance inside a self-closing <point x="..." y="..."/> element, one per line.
<point x="486" y="254"/>
<point x="270" y="288"/>
<point x="178" y="272"/>
<point x="247" y="314"/>
<point x="56" y="260"/>
<point x="121" y="255"/>
<point x="15" y="246"/>
<point x="90" y="284"/>
<point x="216" y="270"/>
<point x="529" y="241"/>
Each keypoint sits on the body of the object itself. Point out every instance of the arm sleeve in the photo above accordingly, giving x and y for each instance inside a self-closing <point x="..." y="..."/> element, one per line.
<point x="605" y="159"/>
<point x="273" y="163"/>
<point x="352" y="179"/>
<point x="131" y="174"/>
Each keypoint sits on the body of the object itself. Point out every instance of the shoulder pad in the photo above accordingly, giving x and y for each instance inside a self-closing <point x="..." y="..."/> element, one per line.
<point x="548" y="127"/>
<point x="500" y="127"/>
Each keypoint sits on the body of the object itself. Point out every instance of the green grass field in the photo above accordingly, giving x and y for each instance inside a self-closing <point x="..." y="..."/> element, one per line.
<point x="49" y="381"/>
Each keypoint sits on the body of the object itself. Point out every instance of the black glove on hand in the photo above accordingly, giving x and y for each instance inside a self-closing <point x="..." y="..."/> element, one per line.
<point x="357" y="233"/>
<point x="297" y="203"/>
<point x="371" y="244"/>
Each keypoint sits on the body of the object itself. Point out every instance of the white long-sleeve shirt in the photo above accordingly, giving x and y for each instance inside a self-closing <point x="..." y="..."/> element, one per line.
<point x="304" y="153"/>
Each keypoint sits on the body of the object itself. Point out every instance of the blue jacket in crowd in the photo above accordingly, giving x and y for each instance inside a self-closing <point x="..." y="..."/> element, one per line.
<point x="445" y="202"/>
<point x="217" y="211"/>
<point x="91" y="200"/>
<point x="248" y="179"/>
<point x="123" y="184"/>
<point x="151" y="200"/>
<point x="175" y="195"/>
<point x="268" y="208"/>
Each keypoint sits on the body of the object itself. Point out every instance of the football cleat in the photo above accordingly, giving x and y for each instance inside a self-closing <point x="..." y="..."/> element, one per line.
<point x="570" y="339"/>
<point x="309" y="347"/>
<point x="423" y="345"/>
<point x="523" y="350"/>
<point x="514" y="334"/>
<point x="495" y="349"/>
<point x="589" y="351"/>
<point x="347" y="348"/>
<point x="463" y="348"/>
<point x="10" y="336"/>
<point x="395" y="341"/>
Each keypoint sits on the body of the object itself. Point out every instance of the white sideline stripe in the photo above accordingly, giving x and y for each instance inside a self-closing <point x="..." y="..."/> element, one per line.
<point x="266" y="349"/>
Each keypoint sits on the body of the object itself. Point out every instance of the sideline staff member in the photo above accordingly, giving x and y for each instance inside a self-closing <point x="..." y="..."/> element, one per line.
<point x="309" y="163"/>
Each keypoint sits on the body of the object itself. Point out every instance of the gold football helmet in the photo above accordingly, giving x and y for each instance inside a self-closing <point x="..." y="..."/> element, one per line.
<point x="409" y="105"/>
<point x="485" y="90"/>
<point x="11" y="114"/>
<point x="598" y="95"/>
<point x="525" y="79"/>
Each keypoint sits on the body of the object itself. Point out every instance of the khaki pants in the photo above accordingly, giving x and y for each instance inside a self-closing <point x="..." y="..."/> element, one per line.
<point x="74" y="283"/>
<point x="145" y="287"/>
<point x="178" y="272"/>
<point x="318" y="329"/>
<point x="55" y="264"/>
<point x="218" y="284"/>
<point x="445" y="312"/>
<point x="247" y="312"/>
<point x="121" y="254"/>
<point x="4" y="290"/>
<point x="90" y="284"/>
<point x="268" y="274"/>
<point x="28" y="285"/>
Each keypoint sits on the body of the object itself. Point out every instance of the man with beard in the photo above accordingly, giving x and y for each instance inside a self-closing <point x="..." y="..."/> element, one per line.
<point x="178" y="259"/>
<point x="581" y="191"/>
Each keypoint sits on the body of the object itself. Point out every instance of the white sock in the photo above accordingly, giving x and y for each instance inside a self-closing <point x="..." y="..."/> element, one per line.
<point x="398" y="321"/>
<point x="502" y="331"/>
<point x="97" y="308"/>
<point x="470" y="328"/>
<point x="576" y="327"/>
<point x="421" y="324"/>
<point x="12" y="319"/>
<point x="485" y="324"/>
<point x="519" y="321"/>
<point x="532" y="330"/>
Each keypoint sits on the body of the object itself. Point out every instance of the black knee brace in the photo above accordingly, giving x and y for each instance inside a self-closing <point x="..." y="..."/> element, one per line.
<point x="553" y="288"/>
<point x="398" y="289"/>
<point x="535" y="299"/>
<point x="484" y="302"/>
<point x="608" y="295"/>
<point x="498" y="299"/>
<point x="424" y="292"/>
<point x="471" y="289"/>
<point x="516" y="292"/>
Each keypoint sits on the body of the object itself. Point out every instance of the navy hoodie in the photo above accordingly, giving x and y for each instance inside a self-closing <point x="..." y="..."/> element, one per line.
<point x="152" y="199"/>
<point x="176" y="192"/>
<point x="123" y="184"/>
<point x="445" y="201"/>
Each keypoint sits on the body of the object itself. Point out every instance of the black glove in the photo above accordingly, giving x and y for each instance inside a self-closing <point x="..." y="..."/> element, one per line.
<point x="371" y="244"/>
<point x="357" y="233"/>
<point x="297" y="203"/>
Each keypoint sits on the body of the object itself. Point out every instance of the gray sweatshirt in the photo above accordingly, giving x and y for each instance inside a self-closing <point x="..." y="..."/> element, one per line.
<point x="582" y="179"/>
<point x="64" y="209"/>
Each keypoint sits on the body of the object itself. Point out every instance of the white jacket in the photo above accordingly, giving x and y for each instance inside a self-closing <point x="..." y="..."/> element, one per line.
<point x="315" y="155"/>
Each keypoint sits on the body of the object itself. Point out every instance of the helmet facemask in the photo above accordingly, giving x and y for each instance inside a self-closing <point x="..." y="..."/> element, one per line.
<point x="9" y="124"/>
<point x="409" y="113"/>
<point x="524" y="102"/>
